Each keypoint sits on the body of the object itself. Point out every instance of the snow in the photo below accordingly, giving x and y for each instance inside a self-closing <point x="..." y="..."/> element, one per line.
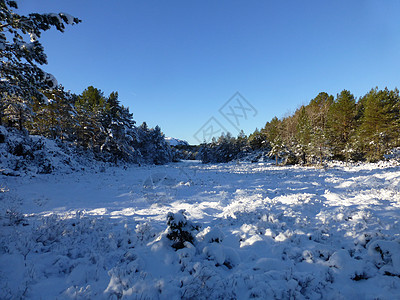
<point x="258" y="231"/>
<point x="28" y="155"/>
<point x="51" y="80"/>
<point x="69" y="19"/>
<point x="175" y="142"/>
<point x="33" y="37"/>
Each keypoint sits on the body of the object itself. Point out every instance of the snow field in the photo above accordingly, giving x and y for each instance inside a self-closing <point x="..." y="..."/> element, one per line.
<point x="257" y="231"/>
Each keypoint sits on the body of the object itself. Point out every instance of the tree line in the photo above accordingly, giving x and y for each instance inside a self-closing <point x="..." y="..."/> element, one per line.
<point x="90" y="121"/>
<point x="327" y="128"/>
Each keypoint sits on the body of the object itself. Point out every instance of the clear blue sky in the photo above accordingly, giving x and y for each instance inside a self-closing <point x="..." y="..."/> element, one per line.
<point x="175" y="63"/>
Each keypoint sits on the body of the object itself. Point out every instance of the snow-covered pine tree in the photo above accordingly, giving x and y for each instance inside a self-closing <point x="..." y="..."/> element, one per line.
<point x="224" y="149"/>
<point x="204" y="154"/>
<point x="258" y="140"/>
<point x="21" y="78"/>
<point x="161" y="150"/>
<point x="241" y="144"/>
<point x="117" y="124"/>
<point x="152" y="145"/>
<point x="143" y="141"/>
<point x="277" y="148"/>
<point x="223" y="152"/>
<point x="273" y="130"/>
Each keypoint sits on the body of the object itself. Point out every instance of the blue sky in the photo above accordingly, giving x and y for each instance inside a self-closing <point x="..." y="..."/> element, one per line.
<point x="176" y="63"/>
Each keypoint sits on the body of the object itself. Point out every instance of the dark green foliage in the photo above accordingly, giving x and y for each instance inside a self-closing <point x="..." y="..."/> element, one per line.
<point x="90" y="107"/>
<point x="341" y="124"/>
<point x="107" y="127"/>
<point x="92" y="98"/>
<point x="274" y="136"/>
<point x="55" y="119"/>
<point x="338" y="128"/>
<point x="257" y="140"/>
<point x="93" y="122"/>
<point x="180" y="230"/>
<point x="379" y="123"/>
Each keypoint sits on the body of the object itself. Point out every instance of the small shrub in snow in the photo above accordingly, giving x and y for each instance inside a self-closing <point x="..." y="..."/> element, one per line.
<point x="10" y="214"/>
<point x="385" y="255"/>
<point x="180" y="229"/>
<point x="143" y="232"/>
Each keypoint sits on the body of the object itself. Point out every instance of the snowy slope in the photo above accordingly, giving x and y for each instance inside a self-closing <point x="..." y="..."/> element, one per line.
<point x="22" y="154"/>
<point x="262" y="232"/>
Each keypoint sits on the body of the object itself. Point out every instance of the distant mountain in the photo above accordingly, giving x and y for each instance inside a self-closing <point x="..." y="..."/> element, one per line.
<point x="175" y="142"/>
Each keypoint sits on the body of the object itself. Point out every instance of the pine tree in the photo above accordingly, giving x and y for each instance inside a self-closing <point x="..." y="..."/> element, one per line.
<point x="303" y="136"/>
<point x="277" y="148"/>
<point x="258" y="140"/>
<point x="152" y="145"/>
<point x="318" y="110"/>
<point x="90" y="107"/>
<point x="161" y="150"/>
<point x="379" y="122"/>
<point x="143" y="141"/>
<point x="241" y="143"/>
<point x="341" y="123"/>
<point x="117" y="123"/>
<point x="288" y="132"/>
<point x="21" y="78"/>
<point x="54" y="119"/>
<point x="273" y="130"/>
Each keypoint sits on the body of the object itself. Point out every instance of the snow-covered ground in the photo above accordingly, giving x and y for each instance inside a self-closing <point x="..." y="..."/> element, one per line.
<point x="258" y="231"/>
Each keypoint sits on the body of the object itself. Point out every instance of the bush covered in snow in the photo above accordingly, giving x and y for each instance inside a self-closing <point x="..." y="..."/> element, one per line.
<point x="180" y="230"/>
